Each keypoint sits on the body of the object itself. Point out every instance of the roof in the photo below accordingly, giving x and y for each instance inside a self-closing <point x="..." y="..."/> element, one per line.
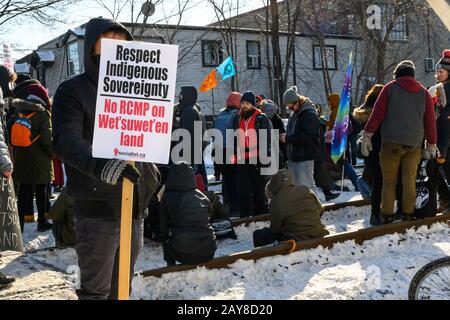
<point x="22" y="68"/>
<point x="442" y="9"/>
<point x="46" y="56"/>
<point x="247" y="30"/>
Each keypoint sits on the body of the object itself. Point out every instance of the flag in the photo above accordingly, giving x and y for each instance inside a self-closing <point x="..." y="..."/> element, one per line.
<point x="227" y="69"/>
<point x="210" y="82"/>
<point x="341" y="125"/>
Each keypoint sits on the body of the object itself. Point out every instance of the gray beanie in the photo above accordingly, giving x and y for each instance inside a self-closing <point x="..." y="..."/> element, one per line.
<point x="291" y="95"/>
<point x="269" y="108"/>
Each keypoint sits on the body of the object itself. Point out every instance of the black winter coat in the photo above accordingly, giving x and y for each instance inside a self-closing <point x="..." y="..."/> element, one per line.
<point x="184" y="215"/>
<point x="278" y="124"/>
<point x="186" y="114"/>
<point x="303" y="134"/>
<point x="443" y="123"/>
<point x="73" y="129"/>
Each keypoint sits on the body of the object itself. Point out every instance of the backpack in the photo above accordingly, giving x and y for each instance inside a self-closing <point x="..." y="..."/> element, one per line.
<point x="21" y="131"/>
<point x="426" y="194"/>
<point x="223" y="229"/>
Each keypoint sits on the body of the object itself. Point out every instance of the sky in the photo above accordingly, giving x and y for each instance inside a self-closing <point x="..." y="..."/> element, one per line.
<point x="28" y="35"/>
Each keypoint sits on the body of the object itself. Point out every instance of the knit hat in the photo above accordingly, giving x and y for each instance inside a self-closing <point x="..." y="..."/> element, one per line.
<point x="444" y="63"/>
<point x="38" y="94"/>
<point x="269" y="108"/>
<point x="234" y="100"/>
<point x="405" y="68"/>
<point x="291" y="95"/>
<point x="249" y="97"/>
<point x="334" y="100"/>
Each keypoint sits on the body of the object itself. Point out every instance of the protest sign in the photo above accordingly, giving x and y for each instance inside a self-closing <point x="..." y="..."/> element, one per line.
<point x="135" y="100"/>
<point x="10" y="234"/>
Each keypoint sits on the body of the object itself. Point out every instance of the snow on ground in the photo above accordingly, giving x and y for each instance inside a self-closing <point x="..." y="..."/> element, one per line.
<point x="379" y="269"/>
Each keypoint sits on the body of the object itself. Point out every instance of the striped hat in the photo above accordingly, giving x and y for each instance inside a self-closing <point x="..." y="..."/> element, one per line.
<point x="444" y="63"/>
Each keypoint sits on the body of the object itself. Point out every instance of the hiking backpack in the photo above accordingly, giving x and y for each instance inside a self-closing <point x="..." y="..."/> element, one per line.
<point x="21" y="131"/>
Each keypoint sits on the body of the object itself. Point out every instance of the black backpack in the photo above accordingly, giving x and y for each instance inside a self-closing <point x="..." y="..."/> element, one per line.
<point x="426" y="194"/>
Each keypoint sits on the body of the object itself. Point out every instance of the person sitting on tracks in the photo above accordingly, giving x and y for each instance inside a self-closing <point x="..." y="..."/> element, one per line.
<point x="61" y="213"/>
<point x="295" y="212"/>
<point x="186" y="231"/>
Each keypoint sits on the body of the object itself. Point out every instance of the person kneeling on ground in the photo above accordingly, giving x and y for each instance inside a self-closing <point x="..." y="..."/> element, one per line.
<point x="61" y="214"/>
<point x="295" y="212"/>
<point x="184" y="219"/>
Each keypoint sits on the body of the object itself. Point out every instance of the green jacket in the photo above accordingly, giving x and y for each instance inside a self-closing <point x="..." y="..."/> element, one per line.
<point x="33" y="164"/>
<point x="61" y="212"/>
<point x="295" y="211"/>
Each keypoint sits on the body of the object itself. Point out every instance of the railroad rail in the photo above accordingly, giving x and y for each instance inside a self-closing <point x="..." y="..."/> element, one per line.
<point x="327" y="207"/>
<point x="288" y="247"/>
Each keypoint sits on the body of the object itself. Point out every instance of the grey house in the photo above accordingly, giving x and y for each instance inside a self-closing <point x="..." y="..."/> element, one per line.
<point x="203" y="48"/>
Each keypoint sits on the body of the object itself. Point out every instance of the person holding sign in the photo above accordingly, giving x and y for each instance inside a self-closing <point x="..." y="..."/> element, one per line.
<point x="93" y="183"/>
<point x="6" y="168"/>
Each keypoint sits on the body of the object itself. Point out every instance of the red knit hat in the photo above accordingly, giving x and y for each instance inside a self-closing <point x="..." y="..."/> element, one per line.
<point x="38" y="94"/>
<point x="444" y="63"/>
<point x="234" y="100"/>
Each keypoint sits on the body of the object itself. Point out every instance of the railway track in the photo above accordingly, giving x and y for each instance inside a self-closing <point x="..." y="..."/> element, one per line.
<point x="327" y="207"/>
<point x="288" y="247"/>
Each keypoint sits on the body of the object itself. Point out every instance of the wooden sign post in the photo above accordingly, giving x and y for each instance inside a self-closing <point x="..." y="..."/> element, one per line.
<point x="126" y="223"/>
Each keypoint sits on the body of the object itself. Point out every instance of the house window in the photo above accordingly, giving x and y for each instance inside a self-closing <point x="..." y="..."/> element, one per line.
<point x="400" y="29"/>
<point x="331" y="56"/>
<point x="73" y="59"/>
<point x="212" y="53"/>
<point x="253" y="55"/>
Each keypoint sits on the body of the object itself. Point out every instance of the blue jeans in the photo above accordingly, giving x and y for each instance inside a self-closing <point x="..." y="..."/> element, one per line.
<point x="351" y="174"/>
<point x="364" y="188"/>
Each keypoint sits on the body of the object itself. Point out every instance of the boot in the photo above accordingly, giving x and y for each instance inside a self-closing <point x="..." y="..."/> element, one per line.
<point x="44" y="225"/>
<point x="444" y="206"/>
<point x="375" y="219"/>
<point x="5" y="282"/>
<point x="388" y="219"/>
<point x="330" y="195"/>
<point x="408" y="217"/>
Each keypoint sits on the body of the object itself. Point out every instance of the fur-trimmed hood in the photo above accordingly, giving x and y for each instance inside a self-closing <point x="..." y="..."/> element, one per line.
<point x="24" y="105"/>
<point x="362" y="114"/>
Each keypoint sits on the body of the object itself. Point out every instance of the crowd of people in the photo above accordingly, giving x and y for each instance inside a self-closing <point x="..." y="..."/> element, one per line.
<point x="402" y="125"/>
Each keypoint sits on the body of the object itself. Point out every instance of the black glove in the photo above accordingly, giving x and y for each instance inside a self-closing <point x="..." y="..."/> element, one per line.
<point x="113" y="171"/>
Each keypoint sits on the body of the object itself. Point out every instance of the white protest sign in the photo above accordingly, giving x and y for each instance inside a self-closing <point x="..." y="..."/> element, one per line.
<point x="135" y="101"/>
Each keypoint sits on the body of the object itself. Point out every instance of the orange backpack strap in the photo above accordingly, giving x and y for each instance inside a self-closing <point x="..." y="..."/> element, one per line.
<point x="28" y="116"/>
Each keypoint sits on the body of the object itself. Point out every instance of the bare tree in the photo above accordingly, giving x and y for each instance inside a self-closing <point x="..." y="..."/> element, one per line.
<point x="228" y="29"/>
<point x="114" y="7"/>
<point x="46" y="12"/>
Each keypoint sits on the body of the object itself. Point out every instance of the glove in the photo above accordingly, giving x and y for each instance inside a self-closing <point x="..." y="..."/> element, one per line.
<point x="429" y="151"/>
<point x="113" y="171"/>
<point x="366" y="143"/>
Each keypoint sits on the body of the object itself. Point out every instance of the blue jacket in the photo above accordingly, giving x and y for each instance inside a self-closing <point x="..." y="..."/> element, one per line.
<point x="223" y="122"/>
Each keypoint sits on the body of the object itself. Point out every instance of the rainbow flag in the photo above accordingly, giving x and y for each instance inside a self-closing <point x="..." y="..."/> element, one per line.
<point x="341" y="125"/>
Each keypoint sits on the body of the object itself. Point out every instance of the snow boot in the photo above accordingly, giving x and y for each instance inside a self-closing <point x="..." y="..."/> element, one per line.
<point x="5" y="282"/>
<point x="444" y="206"/>
<point x="330" y="195"/>
<point x="375" y="219"/>
<point x="409" y="217"/>
<point x="388" y="219"/>
<point x="44" y="225"/>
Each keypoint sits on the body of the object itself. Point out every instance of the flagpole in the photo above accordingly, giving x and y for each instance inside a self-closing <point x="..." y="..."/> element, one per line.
<point x="343" y="170"/>
<point x="213" y="108"/>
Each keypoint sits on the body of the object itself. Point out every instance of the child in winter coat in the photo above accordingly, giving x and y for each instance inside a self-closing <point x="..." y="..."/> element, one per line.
<point x="295" y="212"/>
<point x="184" y="219"/>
